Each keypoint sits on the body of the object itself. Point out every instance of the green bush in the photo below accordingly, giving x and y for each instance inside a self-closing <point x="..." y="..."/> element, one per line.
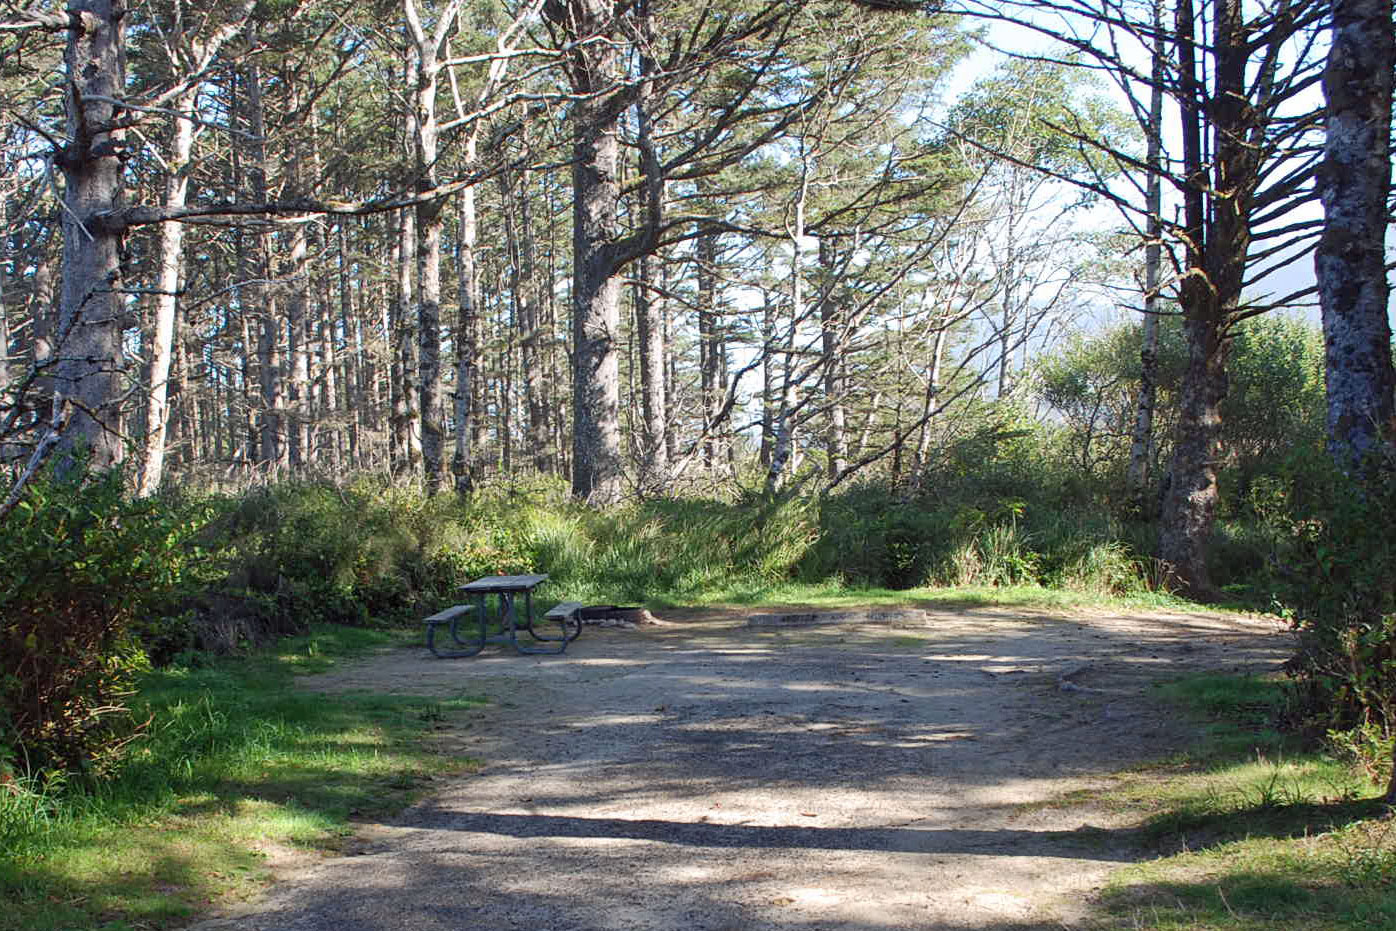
<point x="301" y="553"/>
<point x="1273" y="406"/>
<point x="871" y="535"/>
<point x="83" y="566"/>
<point x="1335" y="577"/>
<point x="671" y="547"/>
<point x="1018" y="518"/>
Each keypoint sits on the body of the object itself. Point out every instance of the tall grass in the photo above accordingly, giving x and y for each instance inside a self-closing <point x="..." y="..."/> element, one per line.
<point x="374" y="555"/>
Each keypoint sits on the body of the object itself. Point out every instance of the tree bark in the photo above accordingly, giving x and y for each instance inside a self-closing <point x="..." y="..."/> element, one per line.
<point x="649" y="303"/>
<point x="88" y="340"/>
<point x="531" y="333"/>
<point x="1137" y="475"/>
<point x="329" y="435"/>
<point x="782" y="425"/>
<point x="296" y="287"/>
<point x="1190" y="504"/>
<point x="406" y="421"/>
<point x="467" y="407"/>
<point x="923" y="443"/>
<point x="429" y="227"/>
<point x="271" y="447"/>
<point x="352" y="372"/>
<point x="1217" y="237"/>
<point x="831" y="324"/>
<point x="1354" y="184"/>
<point x="649" y="314"/>
<point x="768" y="378"/>
<point x="171" y="257"/>
<point x="596" y="463"/>
<point x="705" y="258"/>
<point x="430" y="224"/>
<point x="596" y="459"/>
<point x="4" y="312"/>
<point x="44" y="320"/>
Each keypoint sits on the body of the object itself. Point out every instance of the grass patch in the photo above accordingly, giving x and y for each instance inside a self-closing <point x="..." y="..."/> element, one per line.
<point x="834" y="595"/>
<point x="236" y="769"/>
<point x="1253" y="831"/>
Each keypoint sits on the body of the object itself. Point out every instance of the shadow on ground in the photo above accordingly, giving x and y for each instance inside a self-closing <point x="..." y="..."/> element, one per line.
<point x="710" y="776"/>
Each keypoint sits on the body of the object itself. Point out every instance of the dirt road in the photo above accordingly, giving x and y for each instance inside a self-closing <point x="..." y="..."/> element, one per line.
<point x="887" y="770"/>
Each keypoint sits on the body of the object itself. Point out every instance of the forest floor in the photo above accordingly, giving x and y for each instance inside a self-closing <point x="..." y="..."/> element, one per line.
<point x="878" y="769"/>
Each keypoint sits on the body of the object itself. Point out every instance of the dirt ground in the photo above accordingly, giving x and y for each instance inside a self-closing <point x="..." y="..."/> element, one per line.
<point x="878" y="770"/>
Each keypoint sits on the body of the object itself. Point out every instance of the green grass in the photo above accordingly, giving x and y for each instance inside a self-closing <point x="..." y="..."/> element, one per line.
<point x="1252" y="831"/>
<point x="834" y="595"/>
<point x="236" y="769"/>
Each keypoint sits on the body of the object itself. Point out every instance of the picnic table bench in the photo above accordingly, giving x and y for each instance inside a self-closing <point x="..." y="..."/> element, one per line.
<point x="505" y="590"/>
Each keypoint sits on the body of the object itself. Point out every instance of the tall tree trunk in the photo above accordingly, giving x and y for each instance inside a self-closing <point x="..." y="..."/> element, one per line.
<point x="429" y="333"/>
<point x="467" y="406"/>
<point x="649" y="302"/>
<point x="531" y="329"/>
<point x="272" y="447"/>
<point x="44" y="320"/>
<point x="1210" y="293"/>
<point x="928" y="407"/>
<point x="170" y="258"/>
<point x="1354" y="183"/>
<point x="768" y="377"/>
<point x="596" y="459"/>
<point x="171" y="249"/>
<point x="407" y="425"/>
<point x="596" y="463"/>
<point x="670" y="362"/>
<point x="1189" y="506"/>
<point x="1137" y="475"/>
<point x="398" y="402"/>
<point x="242" y="265"/>
<point x="245" y="371"/>
<point x="429" y="226"/>
<point x="480" y="380"/>
<point x="782" y="426"/>
<point x="831" y="322"/>
<point x="352" y="373"/>
<point x="269" y="361"/>
<point x="296" y="286"/>
<point x="649" y="311"/>
<point x="4" y="307"/>
<point x="182" y="406"/>
<point x="705" y="259"/>
<point x="327" y="403"/>
<point x="869" y="421"/>
<point x="88" y="339"/>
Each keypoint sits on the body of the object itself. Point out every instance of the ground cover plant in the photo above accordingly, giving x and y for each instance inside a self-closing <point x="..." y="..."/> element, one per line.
<point x="235" y="769"/>
<point x="1253" y="828"/>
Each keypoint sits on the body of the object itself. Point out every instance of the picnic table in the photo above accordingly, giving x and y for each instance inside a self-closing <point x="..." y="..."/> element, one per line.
<point x="510" y="616"/>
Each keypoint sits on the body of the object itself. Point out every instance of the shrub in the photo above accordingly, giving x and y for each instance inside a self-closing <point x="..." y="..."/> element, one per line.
<point x="870" y="535"/>
<point x="82" y="565"/>
<point x="1335" y="577"/>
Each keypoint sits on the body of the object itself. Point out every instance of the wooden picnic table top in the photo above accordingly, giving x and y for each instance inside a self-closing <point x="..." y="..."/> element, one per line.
<point x="495" y="584"/>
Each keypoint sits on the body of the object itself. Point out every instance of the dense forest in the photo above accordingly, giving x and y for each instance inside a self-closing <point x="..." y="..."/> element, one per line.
<point x="309" y="308"/>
